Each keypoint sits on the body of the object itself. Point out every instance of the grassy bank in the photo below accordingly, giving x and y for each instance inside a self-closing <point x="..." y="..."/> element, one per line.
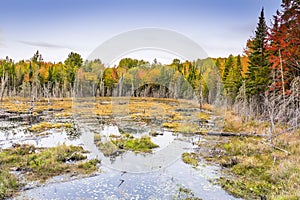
<point x="40" y="165"/>
<point x="255" y="167"/>
<point x="259" y="170"/>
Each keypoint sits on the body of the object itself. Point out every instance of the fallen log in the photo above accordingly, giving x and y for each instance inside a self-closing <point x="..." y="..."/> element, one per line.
<point x="230" y="134"/>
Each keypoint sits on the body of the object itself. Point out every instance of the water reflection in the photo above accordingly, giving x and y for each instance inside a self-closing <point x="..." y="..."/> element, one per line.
<point x="127" y="175"/>
<point x="112" y="184"/>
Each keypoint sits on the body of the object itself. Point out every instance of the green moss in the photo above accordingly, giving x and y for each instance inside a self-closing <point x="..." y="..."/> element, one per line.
<point x="89" y="166"/>
<point x="45" y="163"/>
<point x="143" y="144"/>
<point x="8" y="184"/>
<point x="190" y="158"/>
<point x="246" y="188"/>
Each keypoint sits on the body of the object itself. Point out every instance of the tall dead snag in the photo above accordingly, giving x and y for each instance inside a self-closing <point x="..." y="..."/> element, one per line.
<point x="4" y="80"/>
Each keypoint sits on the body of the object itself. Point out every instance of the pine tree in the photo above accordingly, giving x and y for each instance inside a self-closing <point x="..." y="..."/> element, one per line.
<point x="258" y="74"/>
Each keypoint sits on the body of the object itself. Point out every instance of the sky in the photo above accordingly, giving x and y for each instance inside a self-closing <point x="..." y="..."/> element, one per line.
<point x="57" y="27"/>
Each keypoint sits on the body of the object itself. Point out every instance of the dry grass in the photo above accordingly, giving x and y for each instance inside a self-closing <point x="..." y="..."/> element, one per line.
<point x="261" y="170"/>
<point x="43" y="126"/>
<point x="234" y="123"/>
<point x="21" y="105"/>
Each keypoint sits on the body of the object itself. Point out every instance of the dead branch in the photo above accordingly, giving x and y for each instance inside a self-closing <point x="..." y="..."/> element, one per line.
<point x="283" y="132"/>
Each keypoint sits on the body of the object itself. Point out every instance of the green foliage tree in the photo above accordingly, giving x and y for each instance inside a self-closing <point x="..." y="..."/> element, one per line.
<point x="229" y="65"/>
<point x="37" y="57"/>
<point x="72" y="63"/>
<point x="258" y="74"/>
<point x="233" y="79"/>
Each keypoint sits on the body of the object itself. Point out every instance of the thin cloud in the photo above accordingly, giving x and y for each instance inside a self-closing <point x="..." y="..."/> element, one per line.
<point x="244" y="29"/>
<point x="1" y="39"/>
<point x="43" y="44"/>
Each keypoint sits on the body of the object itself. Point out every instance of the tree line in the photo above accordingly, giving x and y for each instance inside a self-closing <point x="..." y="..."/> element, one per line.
<point x="74" y="77"/>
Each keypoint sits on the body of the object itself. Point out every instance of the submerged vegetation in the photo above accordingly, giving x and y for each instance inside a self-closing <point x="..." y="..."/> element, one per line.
<point x="38" y="164"/>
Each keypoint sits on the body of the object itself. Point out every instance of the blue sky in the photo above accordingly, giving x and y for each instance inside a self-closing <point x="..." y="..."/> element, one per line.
<point x="57" y="27"/>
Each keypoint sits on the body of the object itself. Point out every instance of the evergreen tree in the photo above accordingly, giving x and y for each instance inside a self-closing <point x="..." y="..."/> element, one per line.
<point x="229" y="64"/>
<point x="258" y="74"/>
<point x="239" y="69"/>
<point x="233" y="79"/>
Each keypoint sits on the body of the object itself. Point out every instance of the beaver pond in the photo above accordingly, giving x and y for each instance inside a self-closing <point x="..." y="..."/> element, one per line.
<point x="141" y="144"/>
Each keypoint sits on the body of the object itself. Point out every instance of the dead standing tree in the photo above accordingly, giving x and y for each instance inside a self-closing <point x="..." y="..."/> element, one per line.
<point x="282" y="108"/>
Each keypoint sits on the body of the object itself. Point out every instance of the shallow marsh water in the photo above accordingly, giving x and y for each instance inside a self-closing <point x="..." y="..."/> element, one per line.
<point x="128" y="175"/>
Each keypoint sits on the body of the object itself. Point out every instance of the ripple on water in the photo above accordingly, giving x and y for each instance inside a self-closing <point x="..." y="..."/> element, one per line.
<point x="112" y="184"/>
<point x="149" y="176"/>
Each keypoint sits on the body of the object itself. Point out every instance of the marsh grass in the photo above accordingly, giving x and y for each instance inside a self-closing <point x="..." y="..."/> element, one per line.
<point x="260" y="170"/>
<point x="41" y="164"/>
<point x="8" y="184"/>
<point x="236" y="124"/>
<point x="22" y="105"/>
<point x="128" y="142"/>
<point x="108" y="148"/>
<point x="190" y="158"/>
<point x="186" y="194"/>
<point x="43" y="126"/>
<point x="184" y="127"/>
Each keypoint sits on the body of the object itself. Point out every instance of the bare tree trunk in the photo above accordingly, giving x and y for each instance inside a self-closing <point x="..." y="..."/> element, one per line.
<point x="282" y="79"/>
<point x="3" y="85"/>
<point x="120" y="86"/>
<point x="200" y="96"/>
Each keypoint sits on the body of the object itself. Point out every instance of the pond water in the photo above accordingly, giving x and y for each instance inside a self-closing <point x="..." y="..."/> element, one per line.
<point x="128" y="175"/>
<point x="113" y="184"/>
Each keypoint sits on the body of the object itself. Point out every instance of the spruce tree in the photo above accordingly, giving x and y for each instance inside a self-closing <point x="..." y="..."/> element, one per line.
<point x="258" y="74"/>
<point x="239" y="69"/>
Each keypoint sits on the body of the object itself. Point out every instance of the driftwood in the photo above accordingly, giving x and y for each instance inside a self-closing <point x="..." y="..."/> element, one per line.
<point x="230" y="134"/>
